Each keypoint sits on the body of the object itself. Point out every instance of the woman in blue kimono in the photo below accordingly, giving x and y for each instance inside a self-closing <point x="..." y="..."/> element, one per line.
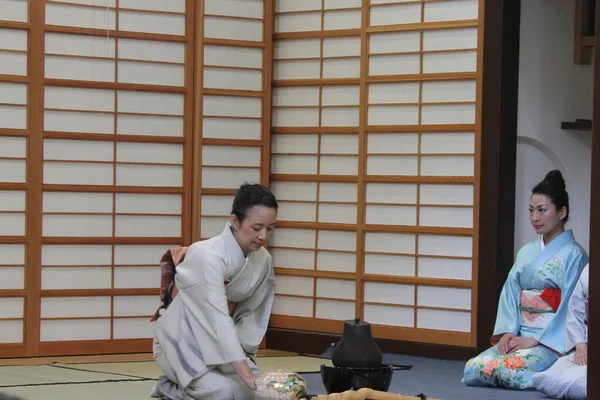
<point x="529" y="335"/>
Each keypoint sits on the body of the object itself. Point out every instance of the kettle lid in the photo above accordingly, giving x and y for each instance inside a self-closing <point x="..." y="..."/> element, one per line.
<point x="356" y="322"/>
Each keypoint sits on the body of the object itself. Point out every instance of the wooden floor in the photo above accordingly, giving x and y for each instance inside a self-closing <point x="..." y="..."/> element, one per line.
<point x="112" y="358"/>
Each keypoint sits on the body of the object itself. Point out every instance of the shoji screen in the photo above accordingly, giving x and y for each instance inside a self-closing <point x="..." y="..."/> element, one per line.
<point x="375" y="161"/>
<point x="232" y="106"/>
<point x="14" y="134"/>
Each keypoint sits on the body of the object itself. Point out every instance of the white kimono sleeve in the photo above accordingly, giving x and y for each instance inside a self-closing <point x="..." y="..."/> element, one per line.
<point x="576" y="329"/>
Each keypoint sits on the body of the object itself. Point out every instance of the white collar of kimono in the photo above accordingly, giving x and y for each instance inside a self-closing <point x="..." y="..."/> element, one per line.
<point x="233" y="247"/>
<point x="542" y="244"/>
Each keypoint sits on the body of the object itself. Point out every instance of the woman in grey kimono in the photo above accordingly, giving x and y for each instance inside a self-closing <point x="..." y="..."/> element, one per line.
<point x="567" y="378"/>
<point x="206" y="340"/>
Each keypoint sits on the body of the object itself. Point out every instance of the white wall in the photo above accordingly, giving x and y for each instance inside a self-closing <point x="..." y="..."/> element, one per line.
<point x="552" y="89"/>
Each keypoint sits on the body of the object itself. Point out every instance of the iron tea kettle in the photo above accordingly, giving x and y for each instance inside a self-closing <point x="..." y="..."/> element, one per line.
<point x="357" y="348"/>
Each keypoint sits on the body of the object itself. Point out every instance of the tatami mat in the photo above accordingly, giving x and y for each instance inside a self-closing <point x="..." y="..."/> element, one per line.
<point x="92" y="391"/>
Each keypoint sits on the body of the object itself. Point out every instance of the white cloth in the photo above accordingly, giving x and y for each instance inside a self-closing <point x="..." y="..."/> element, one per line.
<point x="196" y="335"/>
<point x="564" y="380"/>
<point x="577" y="329"/>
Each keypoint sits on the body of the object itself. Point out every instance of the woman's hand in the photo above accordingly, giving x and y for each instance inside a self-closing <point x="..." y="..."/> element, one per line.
<point x="250" y="382"/>
<point x="244" y="371"/>
<point x="503" y="343"/>
<point x="520" y="343"/>
<point x="580" y="354"/>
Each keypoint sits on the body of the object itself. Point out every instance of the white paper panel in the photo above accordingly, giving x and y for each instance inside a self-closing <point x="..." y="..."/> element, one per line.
<point x="235" y="8"/>
<point x="306" y="191"/>
<point x="210" y="227"/>
<point x="394" y="115"/>
<point x="149" y="175"/>
<point x="397" y="193"/>
<point x="334" y="261"/>
<point x="132" y="328"/>
<point x="12" y="117"/>
<point x="150" y="153"/>
<point x="77" y="225"/>
<point x="448" y="91"/>
<point x="13" y="254"/>
<point x="229" y="106"/>
<point x="150" y="50"/>
<point x="150" y="126"/>
<point x="336" y="289"/>
<point x="75" y="307"/>
<point x="230" y="178"/>
<point x="300" y="238"/>
<point x="341" y="192"/>
<point x="390" y="242"/>
<point x="333" y="165"/>
<point x="12" y="224"/>
<point x="446" y="216"/>
<point x="289" y="211"/>
<point x="445" y="269"/>
<point x="397" y="42"/>
<point x="450" y="39"/>
<point x="151" y="74"/>
<point x="233" y="56"/>
<point x="79" y="99"/>
<point x="447" y="142"/>
<point x="391" y="215"/>
<point x="233" y="29"/>
<point x="83" y="17"/>
<point x="13" y="63"/>
<point x="394" y="64"/>
<point x="234" y="79"/>
<point x="341" y="68"/>
<point x="78" y="150"/>
<point x="446" y="194"/>
<point x="295" y="285"/>
<point x="429" y="296"/>
<point x="342" y="46"/>
<point x="332" y="4"/>
<point x="292" y="306"/>
<point x="383" y="93"/>
<point x="335" y="240"/>
<point x="217" y="205"/>
<point x="454" y="10"/>
<point x="13" y="93"/>
<point x="434" y="245"/>
<point x="146" y="226"/>
<point x="71" y="330"/>
<point x="77" y="254"/>
<point x="82" y="69"/>
<point x="155" y="5"/>
<point x="12" y="278"/>
<point x="230" y="128"/>
<point x="12" y="200"/>
<point x="296" y="117"/>
<point x="231" y="156"/>
<point x="296" y="96"/>
<point x="297" y="69"/>
<point x="337" y="213"/>
<point x="340" y="95"/>
<point x="11" y="307"/>
<point x="380" y="264"/>
<point x="295" y="5"/>
<point x="78" y="173"/>
<point x="13" y="10"/>
<point x="389" y="315"/>
<point x="398" y="143"/>
<point x="296" y="259"/>
<point x="346" y="116"/>
<point x="296" y="144"/>
<point x="135" y="203"/>
<point x="76" y="278"/>
<point x="347" y="19"/>
<point x="80" y="45"/>
<point x="447" y="166"/>
<point x="12" y="171"/>
<point x="150" y="103"/>
<point x="335" y="310"/>
<point x="389" y="293"/>
<point x="10" y="331"/>
<point x="392" y="165"/>
<point x="130" y="306"/>
<point x="444" y="320"/>
<point x="297" y="48"/>
<point x="13" y="146"/>
<point x="450" y="62"/>
<point x="141" y="254"/>
<point x="298" y="22"/>
<point x="137" y="277"/>
<point x="80" y="122"/>
<point x="293" y="164"/>
<point x="137" y="21"/>
<point x="396" y="14"/>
